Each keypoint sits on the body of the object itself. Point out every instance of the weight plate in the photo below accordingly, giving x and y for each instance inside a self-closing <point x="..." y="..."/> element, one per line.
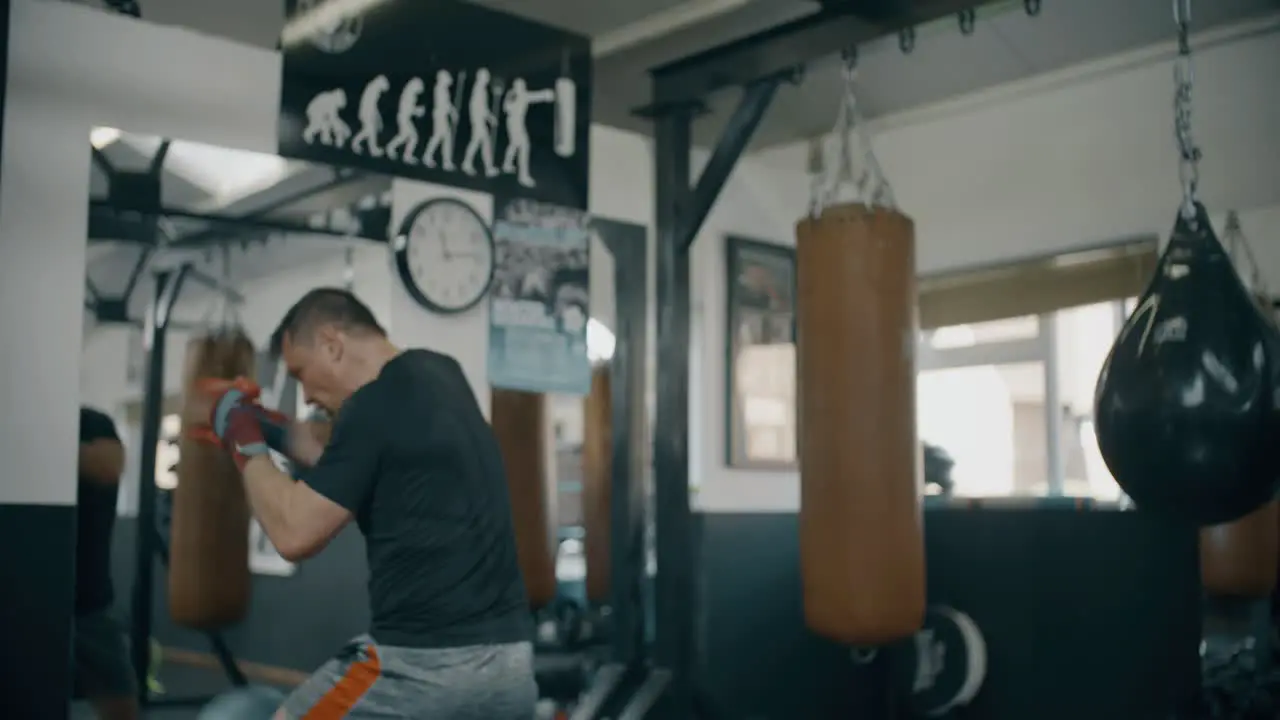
<point x="946" y="662"/>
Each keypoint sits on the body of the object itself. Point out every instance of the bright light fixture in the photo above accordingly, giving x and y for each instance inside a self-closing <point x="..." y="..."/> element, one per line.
<point x="600" y="342"/>
<point x="322" y="17"/>
<point x="100" y="137"/>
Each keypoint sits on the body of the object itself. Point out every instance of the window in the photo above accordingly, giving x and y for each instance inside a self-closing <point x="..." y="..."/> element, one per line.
<point x="1010" y="398"/>
<point x="1085" y="336"/>
<point x="1026" y="327"/>
<point x="991" y="421"/>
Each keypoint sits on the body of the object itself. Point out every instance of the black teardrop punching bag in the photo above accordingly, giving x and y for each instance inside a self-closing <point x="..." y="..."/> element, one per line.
<point x="1185" y="405"/>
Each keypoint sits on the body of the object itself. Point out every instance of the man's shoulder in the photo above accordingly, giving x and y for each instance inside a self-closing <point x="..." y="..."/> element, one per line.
<point x="96" y="425"/>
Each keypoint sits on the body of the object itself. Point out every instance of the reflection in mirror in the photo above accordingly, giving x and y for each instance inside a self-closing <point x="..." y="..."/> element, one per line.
<point x="248" y="234"/>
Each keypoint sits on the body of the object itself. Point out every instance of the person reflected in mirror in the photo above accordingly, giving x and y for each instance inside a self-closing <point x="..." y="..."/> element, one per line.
<point x="102" y="672"/>
<point x="937" y="471"/>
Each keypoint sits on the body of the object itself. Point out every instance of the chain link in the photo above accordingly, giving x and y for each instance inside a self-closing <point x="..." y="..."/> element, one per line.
<point x="865" y="176"/>
<point x="1184" y="79"/>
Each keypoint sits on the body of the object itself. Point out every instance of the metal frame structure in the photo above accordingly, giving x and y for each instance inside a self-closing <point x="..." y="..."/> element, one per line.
<point x="615" y="683"/>
<point x="133" y="212"/>
<point x="148" y="545"/>
<point x="758" y="64"/>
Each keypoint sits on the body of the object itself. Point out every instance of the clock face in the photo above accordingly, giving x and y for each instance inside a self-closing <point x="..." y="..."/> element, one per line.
<point x="445" y="255"/>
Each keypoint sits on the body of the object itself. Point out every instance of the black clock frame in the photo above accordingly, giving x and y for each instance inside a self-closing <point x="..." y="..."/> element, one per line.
<point x="401" y="249"/>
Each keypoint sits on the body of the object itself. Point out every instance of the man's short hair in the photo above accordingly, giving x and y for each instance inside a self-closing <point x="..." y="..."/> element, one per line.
<point x="324" y="306"/>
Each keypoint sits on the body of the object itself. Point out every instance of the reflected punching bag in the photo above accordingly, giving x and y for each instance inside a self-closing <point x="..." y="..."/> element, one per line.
<point x="209" y="580"/>
<point x="519" y="422"/>
<point x="1185" y="403"/>
<point x="597" y="474"/>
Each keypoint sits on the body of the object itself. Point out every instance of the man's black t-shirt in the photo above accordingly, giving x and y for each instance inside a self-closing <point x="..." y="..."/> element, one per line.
<point x="413" y="458"/>
<point x="95" y="521"/>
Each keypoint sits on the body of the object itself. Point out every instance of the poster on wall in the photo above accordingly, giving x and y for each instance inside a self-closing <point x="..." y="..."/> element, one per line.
<point x="539" y="303"/>
<point x="760" y="380"/>
<point x="399" y="89"/>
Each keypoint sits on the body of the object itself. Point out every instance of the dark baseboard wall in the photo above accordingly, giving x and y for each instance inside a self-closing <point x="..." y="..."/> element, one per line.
<point x="35" y="617"/>
<point x="294" y="622"/>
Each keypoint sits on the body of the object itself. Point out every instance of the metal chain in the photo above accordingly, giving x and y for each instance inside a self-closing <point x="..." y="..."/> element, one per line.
<point x="869" y="182"/>
<point x="1184" y="78"/>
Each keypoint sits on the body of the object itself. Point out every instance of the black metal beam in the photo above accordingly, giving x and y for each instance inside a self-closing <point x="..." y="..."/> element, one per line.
<point x="674" y="584"/>
<point x="91" y="290"/>
<point x="784" y="48"/>
<point x="106" y="226"/>
<point x="627" y="372"/>
<point x="168" y="287"/>
<point x="136" y="273"/>
<point x="201" y="238"/>
<point x="734" y="138"/>
<point x="157" y="161"/>
<point x="124" y="217"/>
<point x="104" y="164"/>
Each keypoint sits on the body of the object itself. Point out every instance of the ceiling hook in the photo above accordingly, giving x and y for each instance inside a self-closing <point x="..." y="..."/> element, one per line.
<point x="907" y="40"/>
<point x="968" y="21"/>
<point x="1032" y="7"/>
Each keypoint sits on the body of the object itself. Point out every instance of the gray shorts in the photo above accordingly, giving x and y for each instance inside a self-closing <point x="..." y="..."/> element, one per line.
<point x="366" y="680"/>
<point x="101" y="658"/>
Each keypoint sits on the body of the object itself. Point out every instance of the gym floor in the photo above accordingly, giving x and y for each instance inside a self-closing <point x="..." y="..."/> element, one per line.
<point x="179" y="681"/>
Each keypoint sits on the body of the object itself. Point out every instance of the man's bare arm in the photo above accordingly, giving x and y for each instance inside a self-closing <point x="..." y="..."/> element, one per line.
<point x="307" y="441"/>
<point x="101" y="461"/>
<point x="298" y="520"/>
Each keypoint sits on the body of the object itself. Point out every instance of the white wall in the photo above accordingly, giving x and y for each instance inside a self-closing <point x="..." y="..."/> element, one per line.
<point x="1030" y="171"/>
<point x="72" y="68"/>
<point x="1036" y="168"/>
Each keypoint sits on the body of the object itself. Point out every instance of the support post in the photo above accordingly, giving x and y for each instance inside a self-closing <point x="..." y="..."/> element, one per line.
<point x="680" y="213"/>
<point x="674" y="585"/>
<point x="168" y="286"/>
<point x="734" y="138"/>
<point x="628" y="370"/>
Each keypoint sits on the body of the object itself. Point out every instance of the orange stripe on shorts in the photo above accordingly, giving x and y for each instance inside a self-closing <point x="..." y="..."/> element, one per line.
<point x="347" y="692"/>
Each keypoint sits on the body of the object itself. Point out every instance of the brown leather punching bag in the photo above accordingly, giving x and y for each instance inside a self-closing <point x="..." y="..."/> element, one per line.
<point x="1239" y="559"/>
<point x="209" y="541"/>
<point x="597" y="472"/>
<point x="519" y="421"/>
<point x="861" y="531"/>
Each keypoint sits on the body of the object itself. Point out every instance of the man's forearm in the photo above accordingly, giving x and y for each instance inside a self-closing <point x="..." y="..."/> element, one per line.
<point x="295" y="440"/>
<point x="269" y="492"/>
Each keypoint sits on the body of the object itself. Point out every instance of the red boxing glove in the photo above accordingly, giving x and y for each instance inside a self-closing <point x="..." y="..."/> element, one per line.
<point x="235" y="419"/>
<point x="243" y="435"/>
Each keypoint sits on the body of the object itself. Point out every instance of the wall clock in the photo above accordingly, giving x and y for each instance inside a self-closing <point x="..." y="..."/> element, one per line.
<point x="445" y="256"/>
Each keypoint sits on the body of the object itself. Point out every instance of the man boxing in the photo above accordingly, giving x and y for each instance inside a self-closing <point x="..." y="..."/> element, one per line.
<point x="414" y="462"/>
<point x="103" y="674"/>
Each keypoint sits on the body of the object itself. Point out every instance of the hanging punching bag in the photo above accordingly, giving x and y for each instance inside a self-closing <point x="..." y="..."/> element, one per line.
<point x="861" y="532"/>
<point x="1185" y="403"/>
<point x="209" y="537"/>
<point x="519" y="420"/>
<point x="1239" y="559"/>
<point x="597" y="474"/>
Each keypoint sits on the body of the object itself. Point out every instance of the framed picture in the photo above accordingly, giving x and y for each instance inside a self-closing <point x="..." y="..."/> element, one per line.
<point x="760" y="355"/>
